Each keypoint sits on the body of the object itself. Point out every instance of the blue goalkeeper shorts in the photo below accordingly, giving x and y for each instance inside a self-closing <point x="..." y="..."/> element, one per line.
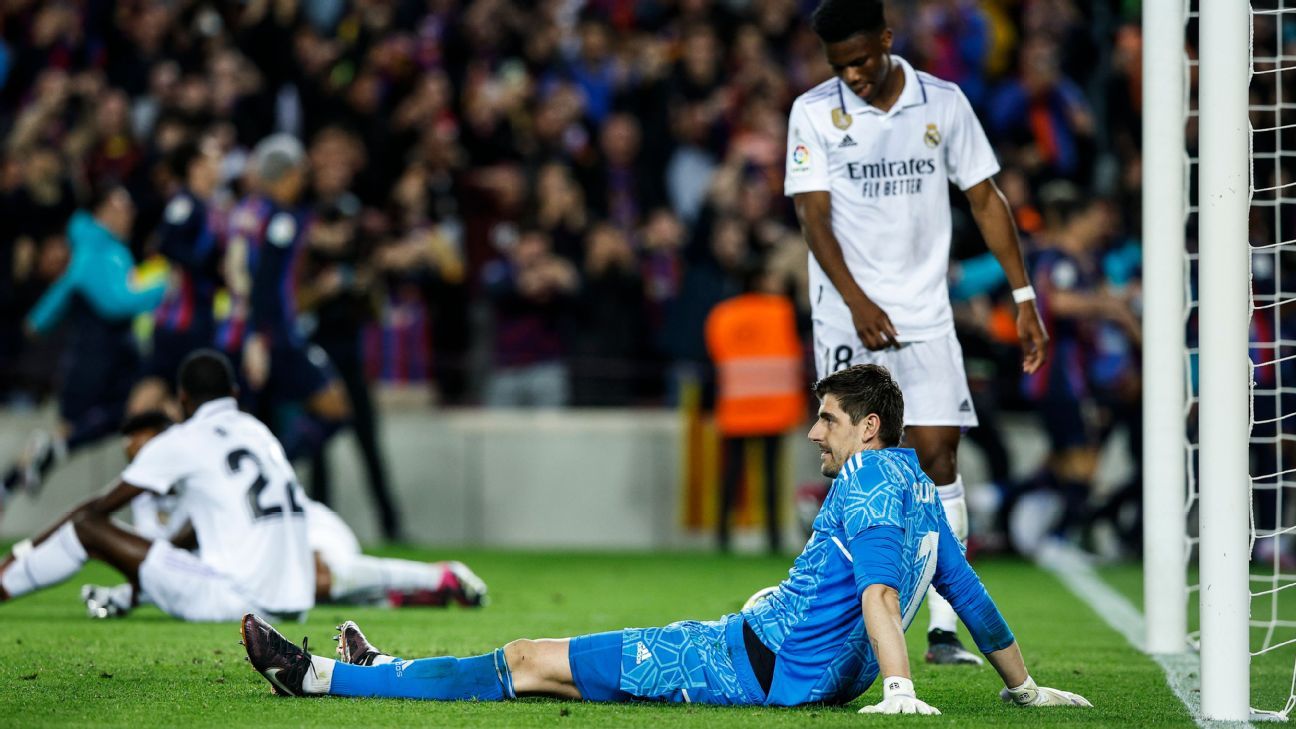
<point x="688" y="661"/>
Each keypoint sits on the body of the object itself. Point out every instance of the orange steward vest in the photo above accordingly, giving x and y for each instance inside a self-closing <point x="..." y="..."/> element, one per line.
<point x="753" y="341"/>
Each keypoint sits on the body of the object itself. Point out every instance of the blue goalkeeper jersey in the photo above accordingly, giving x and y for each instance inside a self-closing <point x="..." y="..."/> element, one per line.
<point x="813" y="622"/>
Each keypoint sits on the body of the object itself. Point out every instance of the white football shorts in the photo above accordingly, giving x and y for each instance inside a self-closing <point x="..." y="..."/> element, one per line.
<point x="329" y="535"/>
<point x="183" y="586"/>
<point x="930" y="373"/>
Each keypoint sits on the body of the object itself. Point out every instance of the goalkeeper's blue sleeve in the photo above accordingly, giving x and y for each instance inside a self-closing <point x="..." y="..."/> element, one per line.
<point x="875" y="555"/>
<point x="957" y="582"/>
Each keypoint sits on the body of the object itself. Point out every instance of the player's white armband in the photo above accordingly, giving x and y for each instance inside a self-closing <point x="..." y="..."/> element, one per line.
<point x="1023" y="294"/>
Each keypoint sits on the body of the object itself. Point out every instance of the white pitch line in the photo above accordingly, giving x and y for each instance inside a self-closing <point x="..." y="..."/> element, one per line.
<point x="1070" y="566"/>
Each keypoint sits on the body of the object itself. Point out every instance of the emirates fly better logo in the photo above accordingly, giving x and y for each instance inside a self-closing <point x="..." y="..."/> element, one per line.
<point x="891" y="177"/>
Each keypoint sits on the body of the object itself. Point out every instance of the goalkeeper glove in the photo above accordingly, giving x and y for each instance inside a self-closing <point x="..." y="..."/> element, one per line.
<point x="1028" y="694"/>
<point x="898" y="697"/>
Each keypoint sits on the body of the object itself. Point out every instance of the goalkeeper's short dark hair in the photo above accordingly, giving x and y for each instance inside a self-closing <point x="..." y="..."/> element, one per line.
<point x="836" y="20"/>
<point x="864" y="389"/>
<point x="206" y="375"/>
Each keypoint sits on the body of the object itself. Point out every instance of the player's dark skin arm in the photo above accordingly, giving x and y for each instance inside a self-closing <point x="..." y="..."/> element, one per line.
<point x="814" y="211"/>
<point x="994" y="218"/>
<point x="185" y="537"/>
<point x="102" y="539"/>
<point x="937" y="448"/>
<point x="114" y="497"/>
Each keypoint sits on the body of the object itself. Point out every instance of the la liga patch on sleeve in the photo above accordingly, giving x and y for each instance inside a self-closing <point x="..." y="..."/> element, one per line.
<point x="800" y="159"/>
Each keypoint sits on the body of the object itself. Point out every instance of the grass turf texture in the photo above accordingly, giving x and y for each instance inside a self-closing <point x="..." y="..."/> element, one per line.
<point x="59" y="668"/>
<point x="1271" y="672"/>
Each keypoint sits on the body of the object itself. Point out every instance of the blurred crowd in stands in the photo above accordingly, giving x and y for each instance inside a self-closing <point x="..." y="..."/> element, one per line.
<point x="538" y="203"/>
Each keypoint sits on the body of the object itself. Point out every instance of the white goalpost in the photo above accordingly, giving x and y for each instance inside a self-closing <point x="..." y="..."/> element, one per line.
<point x="1218" y="420"/>
<point x="1224" y="309"/>
<point x="1164" y="109"/>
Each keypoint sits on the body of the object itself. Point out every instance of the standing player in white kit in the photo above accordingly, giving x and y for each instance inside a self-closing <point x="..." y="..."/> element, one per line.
<point x="869" y="155"/>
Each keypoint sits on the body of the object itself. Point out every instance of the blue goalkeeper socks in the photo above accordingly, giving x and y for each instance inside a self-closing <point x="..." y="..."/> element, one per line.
<point x="481" y="678"/>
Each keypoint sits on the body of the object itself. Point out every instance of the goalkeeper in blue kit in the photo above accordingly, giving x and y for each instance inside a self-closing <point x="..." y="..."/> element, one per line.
<point x="823" y="636"/>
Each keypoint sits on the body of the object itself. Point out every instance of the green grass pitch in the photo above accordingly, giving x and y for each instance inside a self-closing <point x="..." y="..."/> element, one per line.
<point x="59" y="668"/>
<point x="1271" y="672"/>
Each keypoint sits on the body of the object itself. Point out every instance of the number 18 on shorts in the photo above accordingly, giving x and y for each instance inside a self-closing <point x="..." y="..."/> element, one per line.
<point x="930" y="373"/>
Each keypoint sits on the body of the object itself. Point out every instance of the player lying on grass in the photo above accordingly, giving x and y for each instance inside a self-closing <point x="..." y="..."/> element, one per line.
<point x="833" y="626"/>
<point x="342" y="573"/>
<point x="231" y="477"/>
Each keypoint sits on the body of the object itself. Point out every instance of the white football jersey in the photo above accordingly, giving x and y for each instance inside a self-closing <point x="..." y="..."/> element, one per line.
<point x="887" y="174"/>
<point x="157" y="516"/>
<point x="236" y="486"/>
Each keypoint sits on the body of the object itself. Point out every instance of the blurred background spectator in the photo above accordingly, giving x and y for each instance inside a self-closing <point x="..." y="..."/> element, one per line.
<point x="538" y="203"/>
<point x="532" y="292"/>
<point x="760" y="394"/>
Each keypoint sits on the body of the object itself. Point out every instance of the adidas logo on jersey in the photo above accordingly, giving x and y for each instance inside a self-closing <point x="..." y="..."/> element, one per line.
<point x="846" y="142"/>
<point x="642" y="654"/>
<point x="965" y="407"/>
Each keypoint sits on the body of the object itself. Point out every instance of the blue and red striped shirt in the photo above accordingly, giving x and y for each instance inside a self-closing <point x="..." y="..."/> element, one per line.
<point x="188" y="240"/>
<point x="264" y="248"/>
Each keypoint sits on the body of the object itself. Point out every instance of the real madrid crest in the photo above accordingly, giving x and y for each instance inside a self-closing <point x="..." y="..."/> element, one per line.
<point x="841" y="119"/>
<point x="932" y="137"/>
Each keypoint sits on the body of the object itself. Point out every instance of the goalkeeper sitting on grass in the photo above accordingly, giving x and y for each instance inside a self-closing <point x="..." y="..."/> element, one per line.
<point x="829" y="630"/>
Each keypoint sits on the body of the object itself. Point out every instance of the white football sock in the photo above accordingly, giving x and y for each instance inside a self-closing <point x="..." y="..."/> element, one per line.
<point x="363" y="577"/>
<point x="942" y="614"/>
<point x="48" y="563"/>
<point x="952" y="499"/>
<point x="320" y="680"/>
<point x="953" y="494"/>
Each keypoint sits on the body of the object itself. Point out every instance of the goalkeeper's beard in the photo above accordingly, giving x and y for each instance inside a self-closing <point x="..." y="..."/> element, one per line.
<point x="829" y="465"/>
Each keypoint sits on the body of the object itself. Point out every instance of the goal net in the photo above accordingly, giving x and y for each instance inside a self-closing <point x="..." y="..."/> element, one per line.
<point x="1238" y="525"/>
<point x="1272" y="452"/>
